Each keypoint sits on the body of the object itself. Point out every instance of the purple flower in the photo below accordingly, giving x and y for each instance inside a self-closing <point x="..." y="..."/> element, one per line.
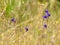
<point x="46" y="11"/>
<point x="45" y="16"/>
<point x="26" y="29"/>
<point x="13" y="19"/>
<point x="45" y="25"/>
<point x="48" y="14"/>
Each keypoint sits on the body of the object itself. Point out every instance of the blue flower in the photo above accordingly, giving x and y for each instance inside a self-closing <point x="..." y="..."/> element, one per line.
<point x="45" y="25"/>
<point x="45" y="16"/>
<point x="46" y="11"/>
<point x="13" y="19"/>
<point x="48" y="14"/>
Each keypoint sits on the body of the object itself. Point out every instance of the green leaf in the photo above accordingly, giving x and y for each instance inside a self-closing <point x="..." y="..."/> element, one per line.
<point x="8" y="9"/>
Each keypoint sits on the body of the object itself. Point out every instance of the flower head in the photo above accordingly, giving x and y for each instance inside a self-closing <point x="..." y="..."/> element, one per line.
<point x="45" y="25"/>
<point x="26" y="28"/>
<point x="46" y="11"/>
<point x="45" y="16"/>
<point x="13" y="19"/>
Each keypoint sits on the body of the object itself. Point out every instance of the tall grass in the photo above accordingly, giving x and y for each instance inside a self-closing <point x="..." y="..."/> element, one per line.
<point x="29" y="13"/>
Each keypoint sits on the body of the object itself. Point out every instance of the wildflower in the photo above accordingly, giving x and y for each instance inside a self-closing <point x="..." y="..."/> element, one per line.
<point x="48" y="14"/>
<point x="26" y="29"/>
<point x="45" y="25"/>
<point x="45" y="16"/>
<point x="13" y="19"/>
<point x="46" y="11"/>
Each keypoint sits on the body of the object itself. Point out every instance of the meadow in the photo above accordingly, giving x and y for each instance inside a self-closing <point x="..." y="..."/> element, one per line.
<point x="22" y="22"/>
